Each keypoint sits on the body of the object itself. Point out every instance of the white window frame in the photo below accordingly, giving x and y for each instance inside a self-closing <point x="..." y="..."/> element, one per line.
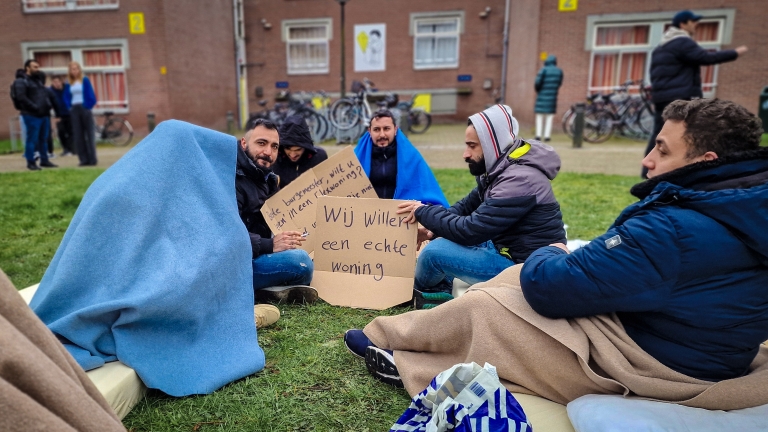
<point x="76" y="49"/>
<point x="620" y="50"/>
<point x="436" y="18"/>
<point x="657" y="21"/>
<point x="47" y="6"/>
<point x="287" y="25"/>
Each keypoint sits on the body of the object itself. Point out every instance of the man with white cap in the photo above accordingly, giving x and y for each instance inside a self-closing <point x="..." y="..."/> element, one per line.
<point x="511" y="213"/>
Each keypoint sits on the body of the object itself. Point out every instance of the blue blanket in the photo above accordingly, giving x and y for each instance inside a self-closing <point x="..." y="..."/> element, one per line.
<point x="155" y="268"/>
<point x="415" y="180"/>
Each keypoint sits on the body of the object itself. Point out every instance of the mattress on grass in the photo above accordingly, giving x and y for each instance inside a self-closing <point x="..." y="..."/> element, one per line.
<point x="119" y="384"/>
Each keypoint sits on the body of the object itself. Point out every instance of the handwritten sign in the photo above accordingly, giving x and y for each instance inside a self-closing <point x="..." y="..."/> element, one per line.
<point x="365" y="253"/>
<point x="293" y="207"/>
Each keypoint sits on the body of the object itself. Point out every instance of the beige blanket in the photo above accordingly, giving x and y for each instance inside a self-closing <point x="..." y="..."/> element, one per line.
<point x="42" y="388"/>
<point x="556" y="359"/>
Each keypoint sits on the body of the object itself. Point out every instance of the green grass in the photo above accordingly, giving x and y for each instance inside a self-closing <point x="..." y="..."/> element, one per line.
<point x="310" y="381"/>
<point x="764" y="141"/>
<point x="5" y="146"/>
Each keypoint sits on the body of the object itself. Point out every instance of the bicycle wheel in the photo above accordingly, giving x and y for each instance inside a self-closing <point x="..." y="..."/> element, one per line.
<point x="645" y="120"/>
<point x="598" y="126"/>
<point x="568" y="118"/>
<point x="344" y="114"/>
<point x="316" y="123"/>
<point x="419" y="121"/>
<point x="117" y="132"/>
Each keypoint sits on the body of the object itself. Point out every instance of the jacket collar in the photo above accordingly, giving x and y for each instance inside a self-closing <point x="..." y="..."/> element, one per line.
<point x="720" y="173"/>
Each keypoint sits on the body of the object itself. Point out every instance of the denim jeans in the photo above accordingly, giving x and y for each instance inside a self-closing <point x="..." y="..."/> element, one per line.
<point x="290" y="267"/>
<point x="37" y="129"/>
<point x="442" y="260"/>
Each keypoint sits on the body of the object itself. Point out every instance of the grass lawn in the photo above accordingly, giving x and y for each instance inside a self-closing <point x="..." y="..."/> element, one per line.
<point x="310" y="381"/>
<point x="5" y="146"/>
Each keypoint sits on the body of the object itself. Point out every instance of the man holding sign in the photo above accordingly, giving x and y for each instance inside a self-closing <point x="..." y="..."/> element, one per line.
<point x="510" y="214"/>
<point x="277" y="261"/>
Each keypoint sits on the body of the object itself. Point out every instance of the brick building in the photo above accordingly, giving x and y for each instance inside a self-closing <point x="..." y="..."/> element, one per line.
<point x="184" y="64"/>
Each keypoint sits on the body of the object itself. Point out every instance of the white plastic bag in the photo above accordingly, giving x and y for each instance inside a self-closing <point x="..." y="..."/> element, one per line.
<point x="464" y="398"/>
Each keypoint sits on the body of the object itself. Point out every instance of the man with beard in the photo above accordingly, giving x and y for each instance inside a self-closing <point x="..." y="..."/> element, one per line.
<point x="280" y="268"/>
<point x="511" y="213"/>
<point x="395" y="167"/>
<point x="297" y="152"/>
<point x="33" y="100"/>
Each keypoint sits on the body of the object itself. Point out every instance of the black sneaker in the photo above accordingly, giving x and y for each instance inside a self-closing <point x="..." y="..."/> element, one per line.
<point x="357" y="342"/>
<point x="32" y="166"/>
<point x="48" y="164"/>
<point x="287" y="294"/>
<point x="547" y="140"/>
<point x="381" y="364"/>
<point x="537" y="138"/>
<point x="428" y="300"/>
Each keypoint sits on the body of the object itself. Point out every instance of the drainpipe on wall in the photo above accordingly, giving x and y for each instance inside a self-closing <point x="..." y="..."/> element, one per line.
<point x="240" y="71"/>
<point x="504" y="54"/>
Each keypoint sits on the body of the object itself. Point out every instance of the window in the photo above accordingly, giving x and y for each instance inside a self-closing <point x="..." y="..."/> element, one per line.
<point x="34" y="6"/>
<point x="621" y="46"/>
<point x="103" y="64"/>
<point x="306" y="44"/>
<point x="436" y="42"/>
<point x="620" y="54"/>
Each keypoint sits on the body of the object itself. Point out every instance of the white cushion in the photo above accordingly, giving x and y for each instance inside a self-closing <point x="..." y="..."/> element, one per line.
<point x="604" y="413"/>
<point x="119" y="384"/>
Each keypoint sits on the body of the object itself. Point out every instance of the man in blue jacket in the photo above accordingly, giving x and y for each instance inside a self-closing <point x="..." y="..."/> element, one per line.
<point x="676" y="68"/>
<point x="682" y="275"/>
<point x="511" y="213"/>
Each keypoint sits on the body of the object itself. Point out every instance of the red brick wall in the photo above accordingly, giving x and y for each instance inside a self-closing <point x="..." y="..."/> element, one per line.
<point x="266" y="50"/>
<point x="195" y="44"/>
<point x="563" y="34"/>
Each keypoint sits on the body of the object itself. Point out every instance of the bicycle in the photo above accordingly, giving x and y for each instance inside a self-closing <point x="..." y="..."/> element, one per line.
<point x="114" y="130"/>
<point x="318" y="125"/>
<point x="631" y="116"/>
<point x="347" y="112"/>
<point x="418" y="119"/>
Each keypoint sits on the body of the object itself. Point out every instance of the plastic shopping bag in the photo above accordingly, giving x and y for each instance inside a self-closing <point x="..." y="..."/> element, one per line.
<point x="464" y="398"/>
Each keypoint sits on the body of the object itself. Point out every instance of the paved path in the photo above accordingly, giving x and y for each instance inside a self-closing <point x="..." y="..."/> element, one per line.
<point x="442" y="147"/>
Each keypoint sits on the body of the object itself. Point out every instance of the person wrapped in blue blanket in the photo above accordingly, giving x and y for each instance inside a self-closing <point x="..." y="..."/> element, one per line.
<point x="155" y="269"/>
<point x="395" y="167"/>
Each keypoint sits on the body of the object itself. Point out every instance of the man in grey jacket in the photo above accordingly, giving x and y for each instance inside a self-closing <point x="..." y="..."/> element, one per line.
<point x="511" y="213"/>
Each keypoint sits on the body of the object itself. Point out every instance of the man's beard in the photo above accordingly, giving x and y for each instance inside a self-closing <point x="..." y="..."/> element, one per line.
<point x="476" y="168"/>
<point x="255" y="160"/>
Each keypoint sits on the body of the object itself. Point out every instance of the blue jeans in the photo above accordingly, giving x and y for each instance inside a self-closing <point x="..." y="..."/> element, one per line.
<point x="290" y="267"/>
<point x="38" y="129"/>
<point x="442" y="260"/>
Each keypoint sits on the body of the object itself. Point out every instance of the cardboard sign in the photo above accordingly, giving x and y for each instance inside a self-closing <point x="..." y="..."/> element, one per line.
<point x="293" y="208"/>
<point x="365" y="253"/>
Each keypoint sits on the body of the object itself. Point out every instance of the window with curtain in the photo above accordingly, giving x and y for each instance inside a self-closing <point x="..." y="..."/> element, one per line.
<point x="436" y="43"/>
<point x="623" y="52"/>
<point x="307" y="47"/>
<point x="67" y="5"/>
<point x="620" y="54"/>
<point x="104" y="67"/>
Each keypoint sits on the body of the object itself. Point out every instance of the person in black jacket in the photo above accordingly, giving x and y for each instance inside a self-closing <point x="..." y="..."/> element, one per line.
<point x="297" y="154"/>
<point x="64" y="125"/>
<point x="511" y="213"/>
<point x="676" y="68"/>
<point x="34" y="102"/>
<point x="278" y="262"/>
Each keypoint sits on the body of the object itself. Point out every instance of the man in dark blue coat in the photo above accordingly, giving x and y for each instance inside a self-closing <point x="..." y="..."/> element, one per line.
<point x="667" y="304"/>
<point x="676" y="68"/>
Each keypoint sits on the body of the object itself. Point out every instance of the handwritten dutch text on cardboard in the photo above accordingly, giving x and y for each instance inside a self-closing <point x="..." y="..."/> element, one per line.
<point x="365" y="253"/>
<point x="293" y="208"/>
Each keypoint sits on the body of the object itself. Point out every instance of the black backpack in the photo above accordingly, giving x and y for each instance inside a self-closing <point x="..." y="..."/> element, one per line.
<point x="14" y="98"/>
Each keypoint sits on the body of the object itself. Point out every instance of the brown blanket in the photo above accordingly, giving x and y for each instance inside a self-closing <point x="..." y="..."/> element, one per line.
<point x="42" y="388"/>
<point x="560" y="359"/>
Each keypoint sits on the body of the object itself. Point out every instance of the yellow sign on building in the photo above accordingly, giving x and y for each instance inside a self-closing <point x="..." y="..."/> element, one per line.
<point x="136" y="22"/>
<point x="567" y="5"/>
